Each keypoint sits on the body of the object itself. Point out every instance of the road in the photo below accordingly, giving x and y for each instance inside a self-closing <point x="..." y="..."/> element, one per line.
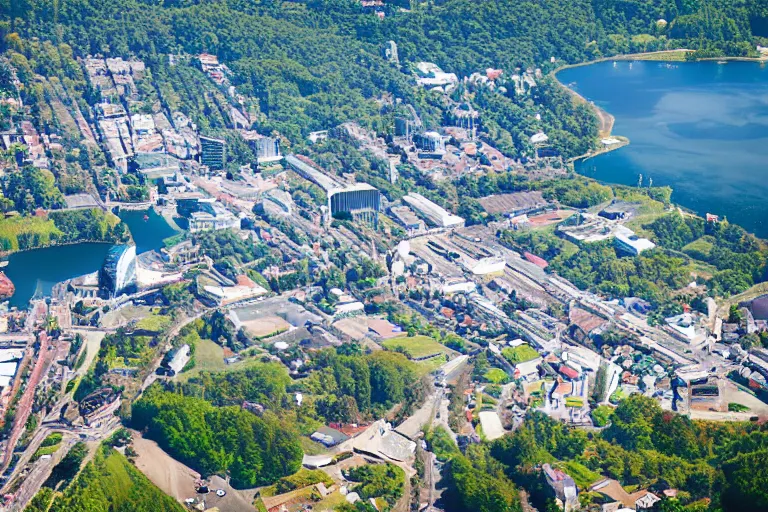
<point x="38" y="474"/>
<point x="24" y="407"/>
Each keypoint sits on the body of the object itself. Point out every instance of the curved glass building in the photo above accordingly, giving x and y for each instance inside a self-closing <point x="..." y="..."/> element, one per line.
<point x="118" y="274"/>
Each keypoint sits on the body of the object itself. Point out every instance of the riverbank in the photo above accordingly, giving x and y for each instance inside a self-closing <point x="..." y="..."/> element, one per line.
<point x="8" y="254"/>
<point x="605" y="148"/>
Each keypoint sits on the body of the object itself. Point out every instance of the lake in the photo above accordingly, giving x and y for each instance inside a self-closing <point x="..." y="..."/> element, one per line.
<point x="38" y="270"/>
<point x="148" y="234"/>
<point x="700" y="127"/>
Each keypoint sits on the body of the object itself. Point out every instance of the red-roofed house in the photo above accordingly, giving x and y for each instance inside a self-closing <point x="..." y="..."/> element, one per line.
<point x="568" y="372"/>
<point x="536" y="260"/>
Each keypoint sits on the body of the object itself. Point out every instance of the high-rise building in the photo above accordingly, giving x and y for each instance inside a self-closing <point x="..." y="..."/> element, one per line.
<point x="213" y="152"/>
<point x="361" y="201"/>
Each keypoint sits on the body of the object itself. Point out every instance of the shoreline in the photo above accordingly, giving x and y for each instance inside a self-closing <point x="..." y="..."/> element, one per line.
<point x="606" y="119"/>
<point x="8" y="254"/>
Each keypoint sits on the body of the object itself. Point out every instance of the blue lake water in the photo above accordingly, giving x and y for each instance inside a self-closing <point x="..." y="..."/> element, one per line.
<point x="148" y="234"/>
<point x="701" y="128"/>
<point x="35" y="272"/>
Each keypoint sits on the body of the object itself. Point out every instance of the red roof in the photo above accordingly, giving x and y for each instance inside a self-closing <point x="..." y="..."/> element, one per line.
<point x="569" y="372"/>
<point x="446" y="312"/>
<point x="539" y="262"/>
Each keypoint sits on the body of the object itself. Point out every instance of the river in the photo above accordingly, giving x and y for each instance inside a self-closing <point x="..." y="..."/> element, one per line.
<point x="700" y="127"/>
<point x="38" y="270"/>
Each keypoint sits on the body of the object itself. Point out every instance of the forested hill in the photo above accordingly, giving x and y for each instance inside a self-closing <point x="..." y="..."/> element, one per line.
<point x="463" y="35"/>
<point x="466" y="35"/>
<point x="314" y="65"/>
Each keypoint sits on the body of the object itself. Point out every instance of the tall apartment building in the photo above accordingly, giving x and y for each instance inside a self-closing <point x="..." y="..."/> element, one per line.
<point x="213" y="152"/>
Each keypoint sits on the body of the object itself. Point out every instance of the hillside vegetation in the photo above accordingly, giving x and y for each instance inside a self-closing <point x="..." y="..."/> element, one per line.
<point x="108" y="482"/>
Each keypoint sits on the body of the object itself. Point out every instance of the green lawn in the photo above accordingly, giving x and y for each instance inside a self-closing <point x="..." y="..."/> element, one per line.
<point x="430" y="365"/>
<point x="519" y="354"/>
<point x="46" y="450"/>
<point x="209" y="357"/>
<point x="12" y="227"/>
<point x="648" y="211"/>
<point x="700" y="248"/>
<point x="496" y="376"/>
<point x="310" y="447"/>
<point x="416" y="346"/>
<point x="568" y="249"/>
<point x="110" y="482"/>
<point x="574" y="401"/>
<point x="154" y="323"/>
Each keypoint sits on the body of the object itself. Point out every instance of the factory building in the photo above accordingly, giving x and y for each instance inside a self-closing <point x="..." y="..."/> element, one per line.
<point x="118" y="273"/>
<point x="205" y="214"/>
<point x="429" y="143"/>
<point x="626" y="240"/>
<point x="213" y="152"/>
<point x="406" y="218"/>
<point x="360" y="200"/>
<point x="435" y="215"/>
<point x="175" y="360"/>
<point x="306" y="171"/>
<point x="212" y="218"/>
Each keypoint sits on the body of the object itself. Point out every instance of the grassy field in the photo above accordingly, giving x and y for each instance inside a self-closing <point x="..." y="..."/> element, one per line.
<point x="416" y="346"/>
<point x="110" y="482"/>
<point x="12" y="227"/>
<point x="430" y="365"/>
<point x="496" y="375"/>
<point x="46" y="450"/>
<point x="574" y="401"/>
<point x="666" y="56"/>
<point x="569" y="248"/>
<point x="754" y="292"/>
<point x="519" y="354"/>
<point x="582" y="475"/>
<point x="310" y="447"/>
<point x="154" y="322"/>
<point x="648" y="211"/>
<point x="700" y="248"/>
<point x="209" y="357"/>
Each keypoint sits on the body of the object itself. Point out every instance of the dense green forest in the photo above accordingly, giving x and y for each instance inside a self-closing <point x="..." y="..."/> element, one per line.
<point x="253" y="450"/>
<point x="343" y="387"/>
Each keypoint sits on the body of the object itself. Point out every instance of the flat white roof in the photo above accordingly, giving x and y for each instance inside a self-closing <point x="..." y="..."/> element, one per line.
<point x="8" y="368"/>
